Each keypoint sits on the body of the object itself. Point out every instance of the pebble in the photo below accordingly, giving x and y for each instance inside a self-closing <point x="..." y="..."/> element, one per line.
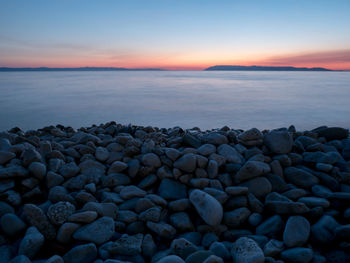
<point x="127" y="245"/>
<point x="59" y="213"/>
<point x="171" y="259"/>
<point x="271" y="226"/>
<point x="246" y="250"/>
<point x="83" y="217"/>
<point x="186" y="163"/>
<point x="98" y="232"/>
<point x="173" y="190"/>
<point x="300" y="178"/>
<point x="279" y="142"/>
<point x="236" y="217"/>
<point x="231" y="155"/>
<point x="297" y="255"/>
<point x="208" y="208"/>
<point x="31" y="243"/>
<point x="65" y="232"/>
<point x="151" y="159"/>
<point x="182" y="247"/>
<point x="250" y="170"/>
<point x="81" y="254"/>
<point x="296" y="232"/>
<point x="11" y="224"/>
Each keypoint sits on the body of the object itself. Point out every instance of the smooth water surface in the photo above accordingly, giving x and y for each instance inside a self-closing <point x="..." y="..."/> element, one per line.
<point x="206" y="99"/>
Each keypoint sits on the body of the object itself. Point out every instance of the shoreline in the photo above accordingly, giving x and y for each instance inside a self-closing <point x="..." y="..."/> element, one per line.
<point x="122" y="193"/>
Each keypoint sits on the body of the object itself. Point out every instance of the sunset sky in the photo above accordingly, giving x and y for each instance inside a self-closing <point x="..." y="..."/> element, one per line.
<point x="174" y="34"/>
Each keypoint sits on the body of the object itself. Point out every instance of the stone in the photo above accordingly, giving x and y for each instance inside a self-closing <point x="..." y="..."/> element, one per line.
<point x="250" y="170"/>
<point x="20" y="259"/>
<point x="236" y="217"/>
<point x="36" y="217"/>
<point x="279" y="142"/>
<point x="5" y="209"/>
<point x="81" y="254"/>
<point x="171" y="259"/>
<point x="259" y="187"/>
<point x="83" y="217"/>
<point x="206" y="149"/>
<point x="181" y="221"/>
<point x="323" y="231"/>
<point x="53" y="179"/>
<point x="55" y="259"/>
<point x="98" y="232"/>
<point x="250" y="137"/>
<point x="220" y="250"/>
<point x="127" y="245"/>
<point x="213" y="259"/>
<point x="91" y="167"/>
<point x="31" y="243"/>
<point x="186" y="163"/>
<point x="116" y="179"/>
<point x="312" y="201"/>
<point x="65" y="232"/>
<point x="131" y="191"/>
<point x="236" y="190"/>
<point x="296" y="232"/>
<point x="212" y="169"/>
<point x="297" y="255"/>
<point x="58" y="213"/>
<point x="246" y="250"/>
<point x="343" y="233"/>
<point x="151" y="159"/>
<point x="6" y="157"/>
<point x="11" y="224"/>
<point x="283" y="207"/>
<point x="231" y="155"/>
<point x="152" y="214"/>
<point x="321" y="157"/>
<point x="173" y="190"/>
<point x="208" y="239"/>
<point x="273" y="248"/>
<point x="208" y="208"/>
<point x="172" y="153"/>
<point x="198" y="256"/>
<point x="101" y="154"/>
<point x="182" y="247"/>
<point x="13" y="171"/>
<point x="333" y="133"/>
<point x="300" y="178"/>
<point x="191" y="140"/>
<point x="216" y="138"/>
<point x="30" y="155"/>
<point x="162" y="229"/>
<point x="38" y="170"/>
<point x="271" y="227"/>
<point x="117" y="167"/>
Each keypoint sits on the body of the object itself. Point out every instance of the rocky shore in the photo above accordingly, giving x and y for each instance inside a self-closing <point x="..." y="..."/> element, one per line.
<point x="114" y="193"/>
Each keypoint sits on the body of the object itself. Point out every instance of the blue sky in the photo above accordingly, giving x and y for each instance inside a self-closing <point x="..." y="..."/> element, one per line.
<point x="174" y="34"/>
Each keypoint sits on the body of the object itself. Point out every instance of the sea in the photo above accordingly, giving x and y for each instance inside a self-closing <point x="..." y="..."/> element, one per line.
<point x="165" y="99"/>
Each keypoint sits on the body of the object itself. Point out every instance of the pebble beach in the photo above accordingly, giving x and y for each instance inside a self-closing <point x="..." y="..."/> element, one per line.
<point x="112" y="193"/>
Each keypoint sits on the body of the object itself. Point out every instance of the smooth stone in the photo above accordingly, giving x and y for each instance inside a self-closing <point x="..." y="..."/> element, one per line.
<point x="117" y="167"/>
<point x="273" y="248"/>
<point x="250" y="170"/>
<point x="30" y="155"/>
<point x="20" y="259"/>
<point x="191" y="140"/>
<point x="216" y="138"/>
<point x="343" y="233"/>
<point x="83" y="217"/>
<point x="321" y="191"/>
<point x="323" y="231"/>
<point x="55" y="259"/>
<point x="31" y="243"/>
<point x="314" y="201"/>
<point x="186" y="163"/>
<point x="296" y="232"/>
<point x="173" y="190"/>
<point x="181" y="221"/>
<point x="81" y="254"/>
<point x="208" y="208"/>
<point x="208" y="239"/>
<point x="231" y="155"/>
<point x="172" y="154"/>
<point x="198" y="256"/>
<point x="36" y="217"/>
<point x="127" y="245"/>
<point x="271" y="226"/>
<point x="236" y="190"/>
<point x="162" y="229"/>
<point x="333" y="133"/>
<point x="300" y="178"/>
<point x="324" y="167"/>
<point x="152" y="214"/>
<point x="246" y="250"/>
<point x="213" y="259"/>
<point x="11" y="224"/>
<point x="283" y="207"/>
<point x="58" y="213"/>
<point x="6" y="208"/>
<point x="321" y="157"/>
<point x="98" y="232"/>
<point x="171" y="259"/>
<point x="297" y="255"/>
<point x="236" y="217"/>
<point x="279" y="142"/>
<point x="148" y="246"/>
<point x="116" y="179"/>
<point x="151" y="159"/>
<point x="182" y="247"/>
<point x="206" y="149"/>
<point x="250" y="137"/>
<point x="101" y="154"/>
<point x="259" y="186"/>
<point x="53" y="179"/>
<point x="37" y="169"/>
<point x="91" y="167"/>
<point x="220" y="250"/>
<point x="65" y="232"/>
<point x="131" y="191"/>
<point x="179" y="205"/>
<point x="6" y="157"/>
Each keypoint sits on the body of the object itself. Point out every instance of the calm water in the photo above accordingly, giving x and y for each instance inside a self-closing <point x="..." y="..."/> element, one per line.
<point x="165" y="99"/>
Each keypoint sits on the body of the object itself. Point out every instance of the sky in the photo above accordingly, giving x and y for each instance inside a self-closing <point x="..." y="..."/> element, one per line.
<point x="174" y="34"/>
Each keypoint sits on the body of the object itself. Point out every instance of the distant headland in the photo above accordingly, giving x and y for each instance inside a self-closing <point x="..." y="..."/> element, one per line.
<point x="263" y="68"/>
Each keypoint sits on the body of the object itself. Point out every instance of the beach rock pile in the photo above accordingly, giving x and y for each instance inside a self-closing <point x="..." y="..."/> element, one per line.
<point x="114" y="193"/>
